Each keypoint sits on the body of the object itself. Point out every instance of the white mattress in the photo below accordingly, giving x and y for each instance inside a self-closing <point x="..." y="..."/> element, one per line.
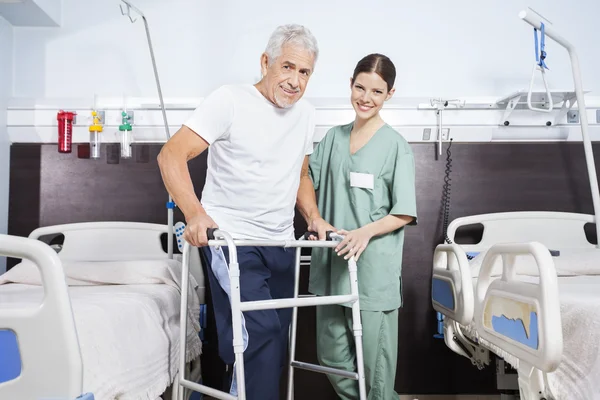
<point x="128" y="334"/>
<point x="578" y="375"/>
<point x="127" y="320"/>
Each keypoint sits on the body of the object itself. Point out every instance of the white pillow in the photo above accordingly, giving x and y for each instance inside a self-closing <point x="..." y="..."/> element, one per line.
<point x="92" y="273"/>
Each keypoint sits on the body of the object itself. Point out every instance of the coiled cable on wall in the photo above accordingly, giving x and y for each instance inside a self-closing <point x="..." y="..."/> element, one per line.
<point x="446" y="193"/>
<point x="446" y="196"/>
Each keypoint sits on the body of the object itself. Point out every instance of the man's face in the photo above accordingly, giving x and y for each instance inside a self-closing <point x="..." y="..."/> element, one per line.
<point x="286" y="78"/>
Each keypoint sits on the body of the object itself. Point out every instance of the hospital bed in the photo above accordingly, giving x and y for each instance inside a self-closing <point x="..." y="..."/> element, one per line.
<point x="528" y="292"/>
<point x="96" y="317"/>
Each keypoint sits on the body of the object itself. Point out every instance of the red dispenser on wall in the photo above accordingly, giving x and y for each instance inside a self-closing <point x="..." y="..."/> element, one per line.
<point x="65" y="130"/>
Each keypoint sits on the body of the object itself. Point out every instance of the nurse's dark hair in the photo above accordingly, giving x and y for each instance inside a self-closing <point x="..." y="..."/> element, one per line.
<point x="381" y="65"/>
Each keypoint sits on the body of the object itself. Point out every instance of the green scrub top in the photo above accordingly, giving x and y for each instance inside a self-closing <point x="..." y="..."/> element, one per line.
<point x="354" y="190"/>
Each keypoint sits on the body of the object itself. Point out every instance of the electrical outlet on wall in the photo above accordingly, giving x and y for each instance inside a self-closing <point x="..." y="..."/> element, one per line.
<point x="426" y="133"/>
<point x="445" y="133"/>
<point x="90" y="118"/>
<point x="130" y="114"/>
<point x="573" y="117"/>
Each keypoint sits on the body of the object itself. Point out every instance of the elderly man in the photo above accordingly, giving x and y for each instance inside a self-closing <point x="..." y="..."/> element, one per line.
<point x="260" y="137"/>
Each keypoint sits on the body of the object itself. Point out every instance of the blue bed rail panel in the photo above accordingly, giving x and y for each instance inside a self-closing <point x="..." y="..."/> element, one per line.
<point x="515" y="329"/>
<point x="10" y="356"/>
<point x="442" y="293"/>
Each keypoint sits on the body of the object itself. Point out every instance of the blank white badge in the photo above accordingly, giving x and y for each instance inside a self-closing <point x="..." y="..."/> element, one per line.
<point x="358" y="179"/>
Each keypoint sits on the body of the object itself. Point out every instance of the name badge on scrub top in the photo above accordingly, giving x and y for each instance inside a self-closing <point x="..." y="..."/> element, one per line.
<point x="365" y="181"/>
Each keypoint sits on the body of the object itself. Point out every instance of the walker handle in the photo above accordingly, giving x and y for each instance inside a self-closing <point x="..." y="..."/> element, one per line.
<point x="210" y="233"/>
<point x="327" y="235"/>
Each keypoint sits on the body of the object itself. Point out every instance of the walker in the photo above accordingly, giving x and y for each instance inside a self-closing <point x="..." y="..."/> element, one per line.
<point x="220" y="238"/>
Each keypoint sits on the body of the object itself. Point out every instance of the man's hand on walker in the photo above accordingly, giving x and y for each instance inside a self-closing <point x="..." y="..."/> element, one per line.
<point x="195" y="231"/>
<point x="354" y="243"/>
<point x="320" y="226"/>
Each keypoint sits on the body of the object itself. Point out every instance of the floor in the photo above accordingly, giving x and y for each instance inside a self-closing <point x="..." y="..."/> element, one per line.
<point x="438" y="397"/>
<point x="449" y="397"/>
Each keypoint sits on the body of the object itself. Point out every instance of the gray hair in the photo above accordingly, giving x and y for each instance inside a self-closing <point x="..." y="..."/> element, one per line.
<point x="293" y="34"/>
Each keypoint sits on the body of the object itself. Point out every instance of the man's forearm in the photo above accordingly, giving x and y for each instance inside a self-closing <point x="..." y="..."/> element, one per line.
<point x="177" y="180"/>
<point x="306" y="200"/>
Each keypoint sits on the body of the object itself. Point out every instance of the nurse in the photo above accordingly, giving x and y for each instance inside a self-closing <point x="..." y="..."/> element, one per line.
<point x="364" y="178"/>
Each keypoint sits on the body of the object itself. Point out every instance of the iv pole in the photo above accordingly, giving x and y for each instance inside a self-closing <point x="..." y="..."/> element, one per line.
<point x="532" y="19"/>
<point x="170" y="204"/>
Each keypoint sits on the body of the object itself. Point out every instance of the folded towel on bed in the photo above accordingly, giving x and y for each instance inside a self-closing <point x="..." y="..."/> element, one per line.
<point x="95" y="273"/>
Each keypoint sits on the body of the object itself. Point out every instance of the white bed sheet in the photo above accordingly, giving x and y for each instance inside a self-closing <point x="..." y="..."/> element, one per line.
<point x="128" y="334"/>
<point x="127" y="320"/>
<point x="578" y="375"/>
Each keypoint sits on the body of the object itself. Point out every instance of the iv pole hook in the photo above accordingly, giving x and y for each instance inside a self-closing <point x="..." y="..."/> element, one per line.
<point x="128" y="13"/>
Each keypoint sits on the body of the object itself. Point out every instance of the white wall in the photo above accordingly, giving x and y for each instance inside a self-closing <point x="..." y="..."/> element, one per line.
<point x="441" y="48"/>
<point x="52" y="8"/>
<point x="6" y="74"/>
<point x="31" y="12"/>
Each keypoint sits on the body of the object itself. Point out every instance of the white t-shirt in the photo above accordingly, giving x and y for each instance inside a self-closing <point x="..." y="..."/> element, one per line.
<point x="254" y="160"/>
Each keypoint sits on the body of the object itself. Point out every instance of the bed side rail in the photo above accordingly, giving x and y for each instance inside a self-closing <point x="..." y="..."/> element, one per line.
<point x="555" y="230"/>
<point x="521" y="318"/>
<point x="451" y="284"/>
<point x="108" y="241"/>
<point x="48" y="361"/>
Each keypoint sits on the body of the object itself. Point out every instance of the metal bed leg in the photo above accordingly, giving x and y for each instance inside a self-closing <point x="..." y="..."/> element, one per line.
<point x="290" y="390"/>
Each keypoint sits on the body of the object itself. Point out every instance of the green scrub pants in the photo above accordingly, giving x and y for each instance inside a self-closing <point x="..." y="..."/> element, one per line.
<point x="335" y="348"/>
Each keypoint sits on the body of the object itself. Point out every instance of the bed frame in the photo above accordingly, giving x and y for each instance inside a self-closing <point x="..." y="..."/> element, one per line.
<point x="92" y="241"/>
<point x="518" y="321"/>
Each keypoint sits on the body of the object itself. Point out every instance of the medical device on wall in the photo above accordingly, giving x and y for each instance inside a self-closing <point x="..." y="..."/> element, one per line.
<point x="65" y="130"/>
<point x="95" y="129"/>
<point x="444" y="134"/>
<point x="170" y="204"/>
<point x="440" y="105"/>
<point x="540" y="64"/>
<point x="532" y="18"/>
<point x="126" y="135"/>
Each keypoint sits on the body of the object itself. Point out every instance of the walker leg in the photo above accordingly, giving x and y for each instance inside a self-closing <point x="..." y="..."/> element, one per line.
<point x="236" y="319"/>
<point x="357" y="328"/>
<point x="290" y="390"/>
<point x="176" y="388"/>
<point x="183" y="313"/>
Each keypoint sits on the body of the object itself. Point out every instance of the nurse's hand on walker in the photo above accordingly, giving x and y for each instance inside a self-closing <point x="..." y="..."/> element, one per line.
<point x="195" y="231"/>
<point x="354" y="243"/>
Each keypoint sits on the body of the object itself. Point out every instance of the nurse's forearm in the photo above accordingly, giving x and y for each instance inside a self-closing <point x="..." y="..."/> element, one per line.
<point x="387" y="224"/>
